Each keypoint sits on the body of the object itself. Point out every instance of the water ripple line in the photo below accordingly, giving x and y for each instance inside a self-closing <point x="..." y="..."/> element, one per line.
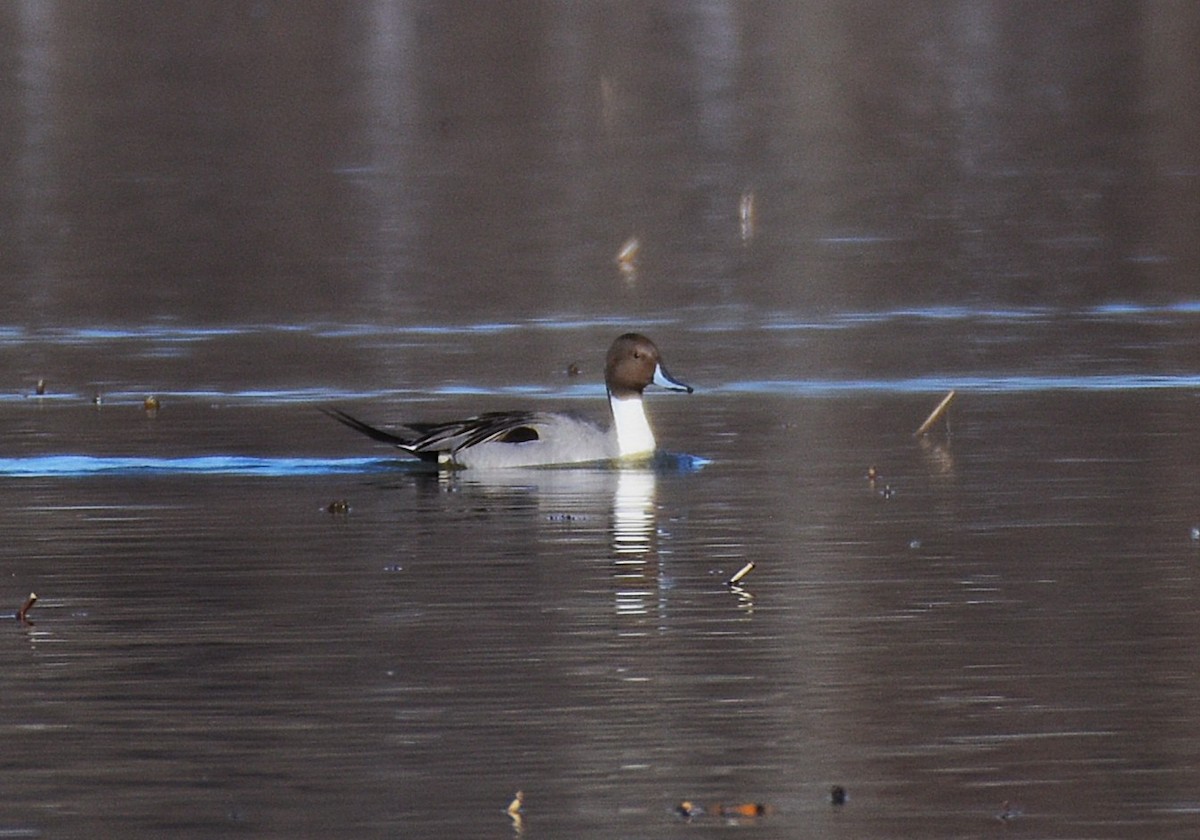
<point x="80" y="466"/>
<point x="977" y="383"/>
<point x="48" y="466"/>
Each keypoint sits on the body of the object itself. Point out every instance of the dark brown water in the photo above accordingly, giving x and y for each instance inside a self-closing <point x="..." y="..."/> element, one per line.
<point x="413" y="211"/>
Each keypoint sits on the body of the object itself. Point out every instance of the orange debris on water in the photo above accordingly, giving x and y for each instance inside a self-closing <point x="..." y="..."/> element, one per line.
<point x="745" y="809"/>
<point x="690" y="810"/>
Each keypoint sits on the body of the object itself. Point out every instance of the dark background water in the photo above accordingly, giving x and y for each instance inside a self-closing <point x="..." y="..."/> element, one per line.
<point x="414" y="210"/>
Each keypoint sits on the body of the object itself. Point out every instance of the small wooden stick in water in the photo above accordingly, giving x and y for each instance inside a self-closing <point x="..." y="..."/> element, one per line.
<point x="29" y="602"/>
<point x="741" y="573"/>
<point x="935" y="415"/>
<point x="627" y="256"/>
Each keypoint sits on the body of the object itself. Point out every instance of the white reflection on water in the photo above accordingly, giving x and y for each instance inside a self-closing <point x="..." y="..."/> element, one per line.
<point x="633" y="512"/>
<point x="579" y="498"/>
<point x="633" y="530"/>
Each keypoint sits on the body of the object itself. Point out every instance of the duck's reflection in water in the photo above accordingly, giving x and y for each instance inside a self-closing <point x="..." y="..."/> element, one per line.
<point x="574" y="504"/>
<point x="634" y="541"/>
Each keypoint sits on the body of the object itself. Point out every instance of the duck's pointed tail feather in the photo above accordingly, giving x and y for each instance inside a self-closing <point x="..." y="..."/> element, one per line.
<point x="368" y="430"/>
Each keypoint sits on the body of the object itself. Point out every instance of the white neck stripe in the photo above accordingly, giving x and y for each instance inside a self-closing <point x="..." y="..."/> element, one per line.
<point x="634" y="436"/>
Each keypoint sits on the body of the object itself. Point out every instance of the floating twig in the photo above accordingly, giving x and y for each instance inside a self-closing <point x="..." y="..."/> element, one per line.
<point x="514" y="813"/>
<point x="628" y="254"/>
<point x="24" y="611"/>
<point x="746" y="215"/>
<point x="627" y="259"/>
<point x="741" y="573"/>
<point x="935" y="415"/>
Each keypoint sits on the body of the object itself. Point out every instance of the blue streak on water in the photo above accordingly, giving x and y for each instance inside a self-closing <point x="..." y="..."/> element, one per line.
<point x="80" y="466"/>
<point x="980" y="383"/>
<point x="678" y="462"/>
<point x="857" y="239"/>
<point x="72" y="466"/>
<point x="573" y="322"/>
<point x="314" y="395"/>
<point x="185" y="333"/>
<point x="101" y="334"/>
<point x="1112" y="311"/>
<point x="972" y="383"/>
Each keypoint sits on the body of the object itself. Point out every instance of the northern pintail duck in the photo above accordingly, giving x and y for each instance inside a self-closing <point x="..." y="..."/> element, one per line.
<point x="543" y="438"/>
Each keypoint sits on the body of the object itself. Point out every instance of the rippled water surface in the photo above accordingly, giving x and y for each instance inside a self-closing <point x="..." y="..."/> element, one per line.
<point x="253" y="622"/>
